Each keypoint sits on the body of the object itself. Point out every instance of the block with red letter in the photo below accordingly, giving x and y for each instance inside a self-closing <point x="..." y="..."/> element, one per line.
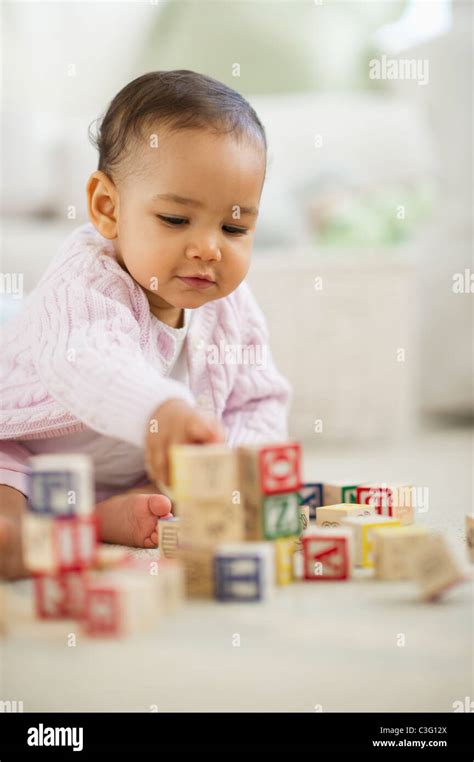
<point x="327" y="553"/>
<point x="58" y="545"/>
<point x="394" y="500"/>
<point x="120" y="603"/>
<point x="60" y="595"/>
<point x="270" y="469"/>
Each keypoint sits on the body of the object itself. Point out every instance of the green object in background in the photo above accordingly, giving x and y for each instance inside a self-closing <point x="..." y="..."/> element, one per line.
<point x="287" y="46"/>
<point x="390" y="217"/>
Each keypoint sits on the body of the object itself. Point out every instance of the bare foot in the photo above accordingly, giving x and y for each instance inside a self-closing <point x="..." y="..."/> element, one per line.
<point x="11" y="554"/>
<point x="131" y="518"/>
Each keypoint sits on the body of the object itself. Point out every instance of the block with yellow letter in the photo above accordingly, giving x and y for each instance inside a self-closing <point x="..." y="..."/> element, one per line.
<point x="363" y="527"/>
<point x="284" y="552"/>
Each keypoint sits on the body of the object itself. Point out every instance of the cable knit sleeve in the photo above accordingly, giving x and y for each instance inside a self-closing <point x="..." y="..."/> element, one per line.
<point x="86" y="349"/>
<point x="257" y="407"/>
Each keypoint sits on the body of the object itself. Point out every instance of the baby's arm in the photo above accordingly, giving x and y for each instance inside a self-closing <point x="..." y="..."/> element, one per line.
<point x="87" y="352"/>
<point x="257" y="408"/>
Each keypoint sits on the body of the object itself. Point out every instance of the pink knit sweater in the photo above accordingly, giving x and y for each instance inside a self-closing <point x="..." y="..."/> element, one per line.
<point x="85" y="351"/>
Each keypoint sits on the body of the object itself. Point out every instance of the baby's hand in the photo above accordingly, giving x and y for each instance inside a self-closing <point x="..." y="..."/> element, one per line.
<point x="176" y="422"/>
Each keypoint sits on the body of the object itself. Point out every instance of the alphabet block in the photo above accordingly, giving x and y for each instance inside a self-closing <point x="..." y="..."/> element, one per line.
<point x="311" y="494"/>
<point x="244" y="571"/>
<point x="59" y="545"/>
<point x="61" y="485"/>
<point x="363" y="527"/>
<point x="119" y="604"/>
<point x="210" y="523"/>
<point x="198" y="564"/>
<point x="203" y="472"/>
<point x="332" y="515"/>
<point x="284" y="552"/>
<point x="394" y="550"/>
<point x="269" y="469"/>
<point x="272" y="516"/>
<point x="435" y="567"/>
<point x="168" y="536"/>
<point x="327" y="553"/>
<point x="389" y="500"/>
<point x="335" y="493"/>
<point x="60" y="596"/>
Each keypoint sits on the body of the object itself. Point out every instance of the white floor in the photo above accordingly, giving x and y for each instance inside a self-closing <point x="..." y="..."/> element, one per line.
<point x="316" y="646"/>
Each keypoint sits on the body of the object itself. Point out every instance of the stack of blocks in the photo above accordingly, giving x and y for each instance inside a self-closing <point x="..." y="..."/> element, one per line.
<point x="239" y="513"/>
<point x="206" y="499"/>
<point x="73" y="576"/>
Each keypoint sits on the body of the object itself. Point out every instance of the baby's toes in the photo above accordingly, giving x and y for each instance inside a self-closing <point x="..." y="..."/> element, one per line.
<point x="159" y="505"/>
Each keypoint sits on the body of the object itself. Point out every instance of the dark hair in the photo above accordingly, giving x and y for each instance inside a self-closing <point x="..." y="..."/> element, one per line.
<point x="178" y="99"/>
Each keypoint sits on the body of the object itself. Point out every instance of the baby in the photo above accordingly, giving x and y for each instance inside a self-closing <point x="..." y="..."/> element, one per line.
<point x="122" y="349"/>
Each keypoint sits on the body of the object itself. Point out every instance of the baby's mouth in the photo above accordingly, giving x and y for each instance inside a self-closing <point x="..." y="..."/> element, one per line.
<point x="197" y="282"/>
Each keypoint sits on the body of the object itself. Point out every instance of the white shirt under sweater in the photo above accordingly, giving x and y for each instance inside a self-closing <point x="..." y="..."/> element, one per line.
<point x="115" y="463"/>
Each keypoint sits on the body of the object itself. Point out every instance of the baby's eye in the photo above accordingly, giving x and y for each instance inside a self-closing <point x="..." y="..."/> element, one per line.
<point x="178" y="221"/>
<point x="172" y="220"/>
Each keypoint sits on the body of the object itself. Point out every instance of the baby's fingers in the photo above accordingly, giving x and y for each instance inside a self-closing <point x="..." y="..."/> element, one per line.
<point x="201" y="430"/>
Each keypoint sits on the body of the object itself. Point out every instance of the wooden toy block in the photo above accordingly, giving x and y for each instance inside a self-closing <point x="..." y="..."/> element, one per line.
<point x="203" y="472"/>
<point x="284" y="552"/>
<point x="171" y="584"/>
<point x="393" y="500"/>
<point x="244" y="571"/>
<point x="394" y="550"/>
<point x="210" y="523"/>
<point x="338" y="492"/>
<point x="269" y="469"/>
<point x="120" y="603"/>
<point x="332" y="515"/>
<point x="60" y="596"/>
<point x="168" y="536"/>
<point x="198" y="564"/>
<point x="470" y="536"/>
<point x="61" y="485"/>
<point x="435" y="567"/>
<point x="55" y="545"/>
<point x="311" y="494"/>
<point x="272" y="516"/>
<point x="327" y="553"/>
<point x="363" y="527"/>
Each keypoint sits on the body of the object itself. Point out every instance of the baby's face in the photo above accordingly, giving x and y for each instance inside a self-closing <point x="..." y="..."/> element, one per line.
<point x="166" y="243"/>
